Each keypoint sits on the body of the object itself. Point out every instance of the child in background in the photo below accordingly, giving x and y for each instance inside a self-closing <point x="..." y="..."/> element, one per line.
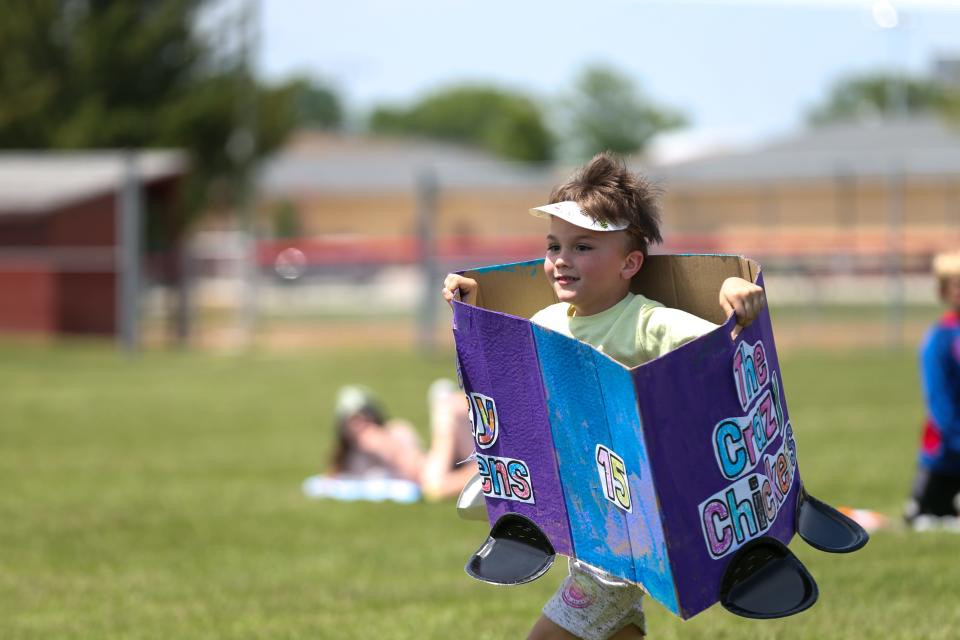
<point x="451" y="442"/>
<point x="602" y="221"/>
<point x="935" y="499"/>
<point x="370" y="446"/>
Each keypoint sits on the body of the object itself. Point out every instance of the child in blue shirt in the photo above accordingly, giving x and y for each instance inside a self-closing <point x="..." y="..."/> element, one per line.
<point x="935" y="498"/>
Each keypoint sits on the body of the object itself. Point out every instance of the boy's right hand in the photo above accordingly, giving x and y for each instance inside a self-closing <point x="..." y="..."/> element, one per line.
<point x="466" y="286"/>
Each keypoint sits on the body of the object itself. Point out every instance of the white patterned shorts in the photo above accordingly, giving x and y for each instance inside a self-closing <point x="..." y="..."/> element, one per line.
<point x="594" y="606"/>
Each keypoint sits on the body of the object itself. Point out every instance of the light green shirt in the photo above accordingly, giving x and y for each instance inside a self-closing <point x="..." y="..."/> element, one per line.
<point x="633" y="331"/>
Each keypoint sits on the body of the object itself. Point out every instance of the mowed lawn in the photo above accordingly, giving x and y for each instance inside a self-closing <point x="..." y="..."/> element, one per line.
<point x="160" y="498"/>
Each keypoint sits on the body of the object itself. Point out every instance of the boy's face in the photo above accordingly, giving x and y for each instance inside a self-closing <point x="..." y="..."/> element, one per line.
<point x="589" y="269"/>
<point x="950" y="291"/>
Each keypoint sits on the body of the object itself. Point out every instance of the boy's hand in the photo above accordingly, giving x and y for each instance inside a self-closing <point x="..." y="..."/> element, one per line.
<point x="467" y="287"/>
<point x="744" y="298"/>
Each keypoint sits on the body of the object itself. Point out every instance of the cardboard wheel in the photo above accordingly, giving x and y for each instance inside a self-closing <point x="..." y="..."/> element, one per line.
<point x="765" y="580"/>
<point x="516" y="551"/>
<point x="824" y="528"/>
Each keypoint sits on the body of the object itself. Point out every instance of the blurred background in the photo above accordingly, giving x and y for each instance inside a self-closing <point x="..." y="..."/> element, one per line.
<point x="286" y="182"/>
<point x="230" y="174"/>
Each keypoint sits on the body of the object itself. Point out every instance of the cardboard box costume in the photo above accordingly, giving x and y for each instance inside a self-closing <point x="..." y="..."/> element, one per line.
<point x="679" y="475"/>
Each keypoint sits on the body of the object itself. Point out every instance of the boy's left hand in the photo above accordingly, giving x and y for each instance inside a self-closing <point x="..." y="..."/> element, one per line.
<point x="744" y="298"/>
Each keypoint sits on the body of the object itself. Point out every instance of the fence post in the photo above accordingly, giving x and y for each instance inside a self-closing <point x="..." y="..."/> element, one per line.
<point x="426" y="245"/>
<point x="895" y="212"/>
<point x="128" y="231"/>
<point x="242" y="147"/>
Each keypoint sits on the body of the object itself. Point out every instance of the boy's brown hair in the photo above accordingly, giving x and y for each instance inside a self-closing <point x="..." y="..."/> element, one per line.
<point x="608" y="192"/>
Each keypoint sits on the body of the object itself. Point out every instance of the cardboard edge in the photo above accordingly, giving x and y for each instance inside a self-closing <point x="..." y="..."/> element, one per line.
<point x="553" y="446"/>
<point x="663" y="521"/>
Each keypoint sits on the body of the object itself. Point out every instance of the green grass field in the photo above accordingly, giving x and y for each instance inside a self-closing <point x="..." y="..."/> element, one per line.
<point x="160" y="498"/>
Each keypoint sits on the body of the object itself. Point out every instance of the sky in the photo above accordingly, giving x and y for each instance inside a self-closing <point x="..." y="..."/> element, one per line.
<point x="739" y="70"/>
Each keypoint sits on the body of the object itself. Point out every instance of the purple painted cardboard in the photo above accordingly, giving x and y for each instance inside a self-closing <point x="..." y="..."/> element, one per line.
<point x="497" y="359"/>
<point x="686" y="393"/>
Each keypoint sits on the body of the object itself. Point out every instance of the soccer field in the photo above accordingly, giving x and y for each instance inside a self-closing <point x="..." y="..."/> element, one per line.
<point x="160" y="498"/>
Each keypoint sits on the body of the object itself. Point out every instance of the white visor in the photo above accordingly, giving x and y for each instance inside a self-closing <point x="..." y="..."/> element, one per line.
<point x="572" y="213"/>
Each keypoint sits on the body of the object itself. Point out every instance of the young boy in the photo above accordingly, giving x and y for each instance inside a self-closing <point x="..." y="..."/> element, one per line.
<point x="602" y="221"/>
<point x="935" y="497"/>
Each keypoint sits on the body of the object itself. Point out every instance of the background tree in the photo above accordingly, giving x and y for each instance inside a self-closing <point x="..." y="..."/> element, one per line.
<point x="316" y="104"/>
<point x="508" y="124"/>
<point x="101" y="74"/>
<point x="607" y="111"/>
<point x="286" y="220"/>
<point x="79" y="74"/>
<point x="872" y="95"/>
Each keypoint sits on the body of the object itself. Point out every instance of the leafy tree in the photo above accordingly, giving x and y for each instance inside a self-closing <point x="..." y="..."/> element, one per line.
<point x="316" y="105"/>
<point x="871" y="95"/>
<point x="286" y="220"/>
<point x="100" y="74"/>
<point x="505" y="123"/>
<point x="606" y="111"/>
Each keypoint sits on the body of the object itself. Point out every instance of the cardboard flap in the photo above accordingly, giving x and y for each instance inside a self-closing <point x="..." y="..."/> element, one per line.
<point x="520" y="289"/>
<point x="691" y="282"/>
<point x="687" y="282"/>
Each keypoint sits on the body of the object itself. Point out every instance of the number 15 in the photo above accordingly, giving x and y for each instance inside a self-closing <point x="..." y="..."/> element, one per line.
<point x="613" y="477"/>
